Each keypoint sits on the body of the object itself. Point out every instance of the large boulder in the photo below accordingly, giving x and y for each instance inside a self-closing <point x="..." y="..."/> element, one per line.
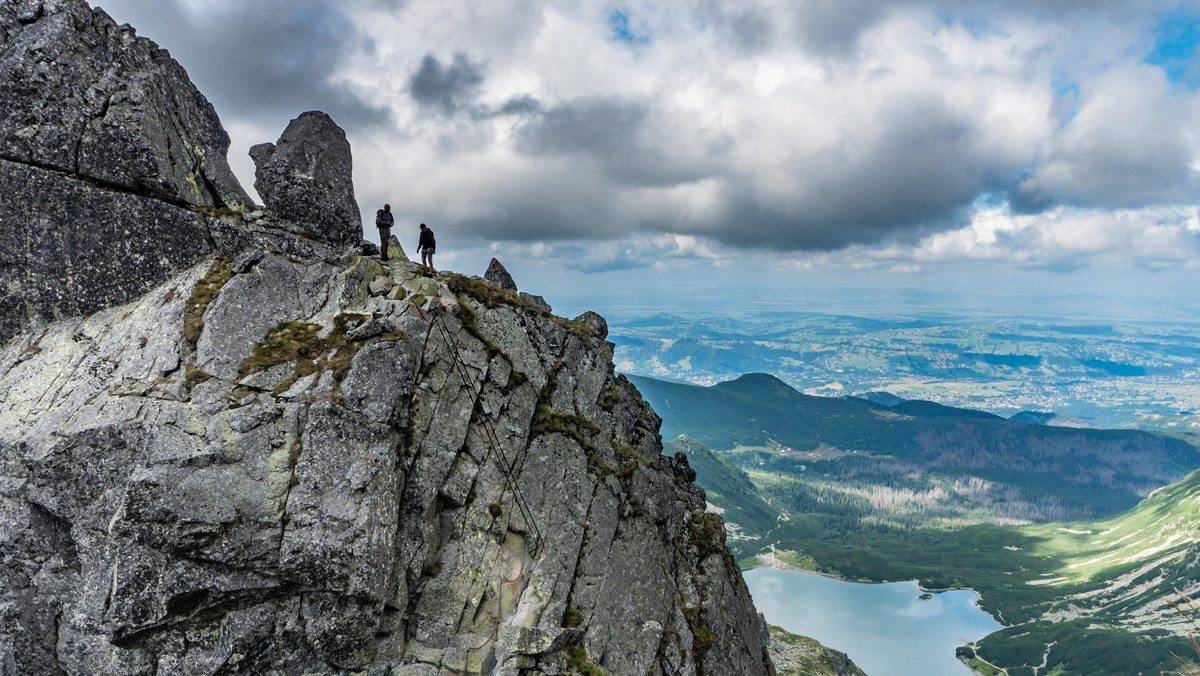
<point x="595" y="322"/>
<point x="86" y="97"/>
<point x="306" y="178"/>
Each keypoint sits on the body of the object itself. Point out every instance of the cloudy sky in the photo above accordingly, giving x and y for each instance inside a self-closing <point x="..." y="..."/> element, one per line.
<point x="694" y="145"/>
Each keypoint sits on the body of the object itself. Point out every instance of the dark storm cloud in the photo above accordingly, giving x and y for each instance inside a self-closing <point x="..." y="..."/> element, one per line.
<point x="521" y="105"/>
<point x="748" y="29"/>
<point x="266" y="59"/>
<point x="915" y="178"/>
<point x="833" y="27"/>
<point x="610" y="130"/>
<point x="446" y="89"/>
<point x="603" y="126"/>
<point x="453" y="89"/>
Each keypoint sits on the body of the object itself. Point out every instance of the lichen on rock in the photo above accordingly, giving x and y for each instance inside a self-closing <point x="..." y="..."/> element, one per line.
<point x="258" y="452"/>
<point x="304" y="178"/>
<point x="374" y="499"/>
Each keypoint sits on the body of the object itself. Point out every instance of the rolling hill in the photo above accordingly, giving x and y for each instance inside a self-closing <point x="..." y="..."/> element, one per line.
<point x="1083" y="596"/>
<point x="927" y="462"/>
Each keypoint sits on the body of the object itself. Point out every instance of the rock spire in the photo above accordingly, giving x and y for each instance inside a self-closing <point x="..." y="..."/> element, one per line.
<point x="305" y="178"/>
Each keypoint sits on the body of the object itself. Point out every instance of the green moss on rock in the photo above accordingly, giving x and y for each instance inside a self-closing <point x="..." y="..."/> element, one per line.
<point x="219" y="273"/>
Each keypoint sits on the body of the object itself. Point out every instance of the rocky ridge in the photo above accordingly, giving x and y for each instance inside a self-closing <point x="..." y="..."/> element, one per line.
<point x="795" y="655"/>
<point x="114" y="167"/>
<point x="259" y="452"/>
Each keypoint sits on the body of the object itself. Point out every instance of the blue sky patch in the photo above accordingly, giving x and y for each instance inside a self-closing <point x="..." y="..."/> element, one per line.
<point x="1176" y="40"/>
<point x="1067" y="92"/>
<point x="622" y="29"/>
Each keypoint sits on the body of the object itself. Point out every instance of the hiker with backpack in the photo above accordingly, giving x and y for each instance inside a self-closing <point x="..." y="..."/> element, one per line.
<point x="384" y="221"/>
<point x="426" y="246"/>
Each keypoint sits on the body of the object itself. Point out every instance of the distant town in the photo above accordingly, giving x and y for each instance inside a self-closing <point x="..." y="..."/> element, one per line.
<point x="1066" y="372"/>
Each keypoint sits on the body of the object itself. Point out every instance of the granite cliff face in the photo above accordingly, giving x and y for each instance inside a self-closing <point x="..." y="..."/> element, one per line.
<point x="108" y="156"/>
<point x="256" y="452"/>
<point x="305" y="178"/>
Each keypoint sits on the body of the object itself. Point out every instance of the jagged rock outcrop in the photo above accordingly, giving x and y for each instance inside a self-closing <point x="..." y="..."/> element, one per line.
<point x="87" y="98"/>
<point x="497" y="275"/>
<point x="538" y="301"/>
<point x="270" y="455"/>
<point x="264" y="467"/>
<point x="305" y="178"/>
<point x="802" y="656"/>
<point x="108" y="155"/>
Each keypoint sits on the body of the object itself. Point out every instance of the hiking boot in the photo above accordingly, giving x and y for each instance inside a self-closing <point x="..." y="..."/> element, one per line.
<point x="384" y="259"/>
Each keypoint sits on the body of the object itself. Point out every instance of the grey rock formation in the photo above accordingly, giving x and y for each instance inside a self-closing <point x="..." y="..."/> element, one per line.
<point x="262" y="467"/>
<point x="305" y="178"/>
<point x="498" y="276"/>
<point x="595" y="322"/>
<point x="87" y="98"/>
<point x="536" y="300"/>
<point x="71" y="247"/>
<point x="226" y="447"/>
<point x="107" y="151"/>
<point x="802" y="656"/>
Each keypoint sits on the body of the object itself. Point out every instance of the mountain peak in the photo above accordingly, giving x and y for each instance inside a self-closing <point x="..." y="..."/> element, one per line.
<point x="757" y="382"/>
<point x="231" y="444"/>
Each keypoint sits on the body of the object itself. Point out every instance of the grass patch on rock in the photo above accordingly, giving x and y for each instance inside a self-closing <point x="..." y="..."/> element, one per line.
<point x="288" y="341"/>
<point x="219" y="273"/>
<point x="577" y="659"/>
<point x="302" y="344"/>
<point x="194" y="377"/>
<point x="492" y="297"/>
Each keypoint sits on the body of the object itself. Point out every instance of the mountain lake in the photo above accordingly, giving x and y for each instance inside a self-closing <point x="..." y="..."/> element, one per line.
<point x="887" y="629"/>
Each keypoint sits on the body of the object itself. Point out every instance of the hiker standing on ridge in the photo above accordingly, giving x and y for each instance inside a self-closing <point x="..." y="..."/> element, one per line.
<point x="383" y="221"/>
<point x="425" y="246"/>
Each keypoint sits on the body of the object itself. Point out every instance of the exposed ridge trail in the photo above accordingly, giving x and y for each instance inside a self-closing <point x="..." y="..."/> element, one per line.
<point x="230" y="444"/>
<point x="318" y="471"/>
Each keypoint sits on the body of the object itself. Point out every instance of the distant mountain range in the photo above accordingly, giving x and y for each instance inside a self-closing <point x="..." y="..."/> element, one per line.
<point x="916" y="490"/>
<point x="1028" y="417"/>
<point x="951" y="463"/>
<point x="1108" y="373"/>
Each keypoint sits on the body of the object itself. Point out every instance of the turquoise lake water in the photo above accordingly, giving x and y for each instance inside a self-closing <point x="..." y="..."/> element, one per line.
<point x="885" y="628"/>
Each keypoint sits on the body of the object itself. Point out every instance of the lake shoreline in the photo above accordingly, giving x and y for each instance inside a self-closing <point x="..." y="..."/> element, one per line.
<point x="902" y="635"/>
<point x="769" y="561"/>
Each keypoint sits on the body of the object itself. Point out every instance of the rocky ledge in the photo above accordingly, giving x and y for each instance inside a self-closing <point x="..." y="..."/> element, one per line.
<point x="283" y="464"/>
<point x="231" y="445"/>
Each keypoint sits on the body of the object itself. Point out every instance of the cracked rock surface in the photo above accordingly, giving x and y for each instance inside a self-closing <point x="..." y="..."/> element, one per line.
<point x="227" y="447"/>
<point x="107" y="156"/>
<point x="305" y="178"/>
<point x="88" y="98"/>
<point x="325" y="480"/>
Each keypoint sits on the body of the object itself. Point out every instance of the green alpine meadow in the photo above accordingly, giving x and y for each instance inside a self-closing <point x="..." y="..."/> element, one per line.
<point x="864" y="491"/>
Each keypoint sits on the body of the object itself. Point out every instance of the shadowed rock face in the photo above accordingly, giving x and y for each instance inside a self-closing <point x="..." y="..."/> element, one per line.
<point x="87" y="98"/>
<point x="229" y="448"/>
<point x="106" y="149"/>
<point x="306" y="178"/>
<point x="70" y="247"/>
